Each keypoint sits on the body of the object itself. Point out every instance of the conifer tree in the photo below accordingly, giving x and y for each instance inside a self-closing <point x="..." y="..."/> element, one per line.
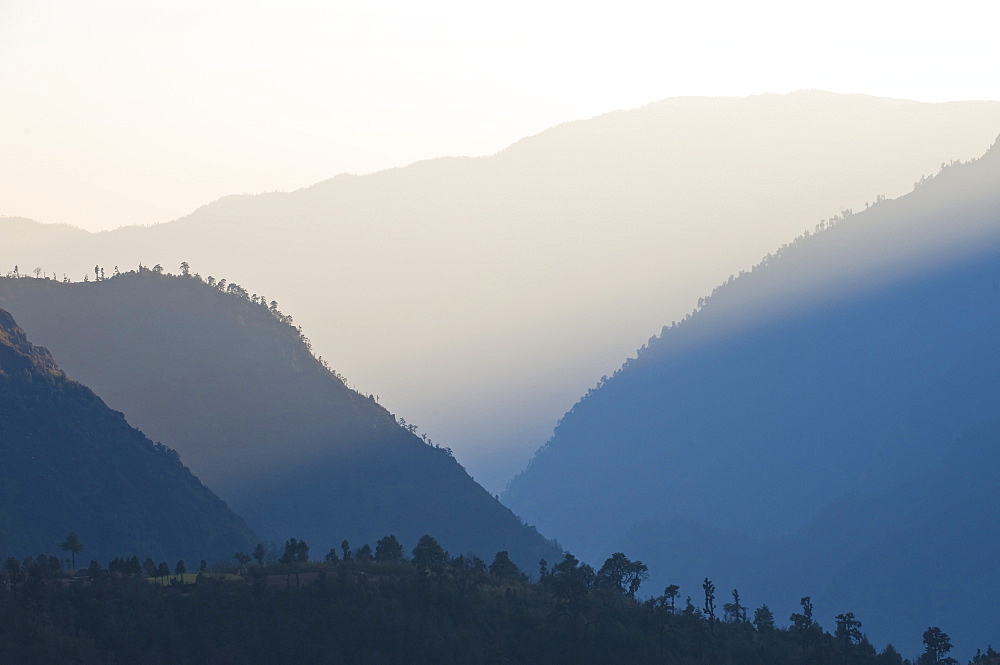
<point x="388" y="550"/>
<point x="72" y="545"/>
<point x="709" y="601"/>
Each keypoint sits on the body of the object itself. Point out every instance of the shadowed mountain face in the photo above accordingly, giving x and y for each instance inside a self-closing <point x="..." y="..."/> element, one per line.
<point x="919" y="554"/>
<point x="901" y="557"/>
<point x="234" y="388"/>
<point x="846" y="365"/>
<point x="72" y="464"/>
<point x="465" y="290"/>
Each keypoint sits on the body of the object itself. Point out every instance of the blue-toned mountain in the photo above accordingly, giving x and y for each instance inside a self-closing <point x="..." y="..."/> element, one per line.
<point x="70" y="463"/>
<point x="848" y="361"/>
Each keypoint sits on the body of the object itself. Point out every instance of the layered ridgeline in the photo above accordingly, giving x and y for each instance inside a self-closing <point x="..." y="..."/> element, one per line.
<point x="71" y="464"/>
<point x="506" y="283"/>
<point x="231" y="384"/>
<point x="845" y="364"/>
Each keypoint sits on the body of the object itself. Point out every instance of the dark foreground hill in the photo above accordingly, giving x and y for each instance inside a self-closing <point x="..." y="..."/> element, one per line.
<point x="232" y="385"/>
<point x="71" y="464"/>
<point x="455" y="612"/>
<point x="843" y="366"/>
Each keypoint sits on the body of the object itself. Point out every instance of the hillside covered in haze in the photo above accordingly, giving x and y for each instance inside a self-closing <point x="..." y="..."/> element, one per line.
<point x="464" y="290"/>
<point x="229" y="382"/>
<point x="71" y="464"/>
<point x="802" y="424"/>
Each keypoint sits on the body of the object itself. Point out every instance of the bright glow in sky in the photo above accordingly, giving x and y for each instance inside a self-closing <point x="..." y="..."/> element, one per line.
<point x="139" y="111"/>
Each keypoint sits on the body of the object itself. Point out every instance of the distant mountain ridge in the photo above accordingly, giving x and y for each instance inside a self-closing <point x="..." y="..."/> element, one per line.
<point x="542" y="266"/>
<point x="230" y="382"/>
<point x="72" y="464"/>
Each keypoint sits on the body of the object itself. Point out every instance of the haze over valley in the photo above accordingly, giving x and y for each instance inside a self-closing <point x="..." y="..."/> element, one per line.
<point x="462" y="290"/>
<point x="453" y="334"/>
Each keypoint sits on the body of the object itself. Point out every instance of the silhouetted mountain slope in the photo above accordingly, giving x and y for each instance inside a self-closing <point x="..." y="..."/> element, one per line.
<point x="901" y="557"/>
<point x="72" y="464"/>
<point x="235" y="389"/>
<point x="919" y="554"/>
<point x="539" y="267"/>
<point x="846" y="363"/>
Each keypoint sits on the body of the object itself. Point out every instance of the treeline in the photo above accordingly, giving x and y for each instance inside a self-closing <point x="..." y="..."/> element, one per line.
<point x="381" y="606"/>
<point x="222" y="285"/>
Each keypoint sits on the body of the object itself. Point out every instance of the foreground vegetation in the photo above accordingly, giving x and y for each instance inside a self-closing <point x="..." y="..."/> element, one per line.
<point x="374" y="606"/>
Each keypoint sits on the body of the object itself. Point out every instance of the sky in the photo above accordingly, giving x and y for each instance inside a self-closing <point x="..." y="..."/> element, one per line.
<point x="139" y="111"/>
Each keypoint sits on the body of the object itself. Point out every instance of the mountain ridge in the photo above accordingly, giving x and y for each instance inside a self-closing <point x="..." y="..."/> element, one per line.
<point x="542" y="265"/>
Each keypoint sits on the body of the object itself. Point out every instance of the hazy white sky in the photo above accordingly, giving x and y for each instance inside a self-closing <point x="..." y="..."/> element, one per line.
<point x="139" y="111"/>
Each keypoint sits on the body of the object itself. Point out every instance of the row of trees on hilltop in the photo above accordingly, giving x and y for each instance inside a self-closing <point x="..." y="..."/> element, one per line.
<point x="222" y="285"/>
<point x="185" y="271"/>
<point x="38" y="568"/>
<point x="378" y="605"/>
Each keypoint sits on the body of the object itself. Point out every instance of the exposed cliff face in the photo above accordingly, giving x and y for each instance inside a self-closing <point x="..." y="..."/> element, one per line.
<point x="72" y="464"/>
